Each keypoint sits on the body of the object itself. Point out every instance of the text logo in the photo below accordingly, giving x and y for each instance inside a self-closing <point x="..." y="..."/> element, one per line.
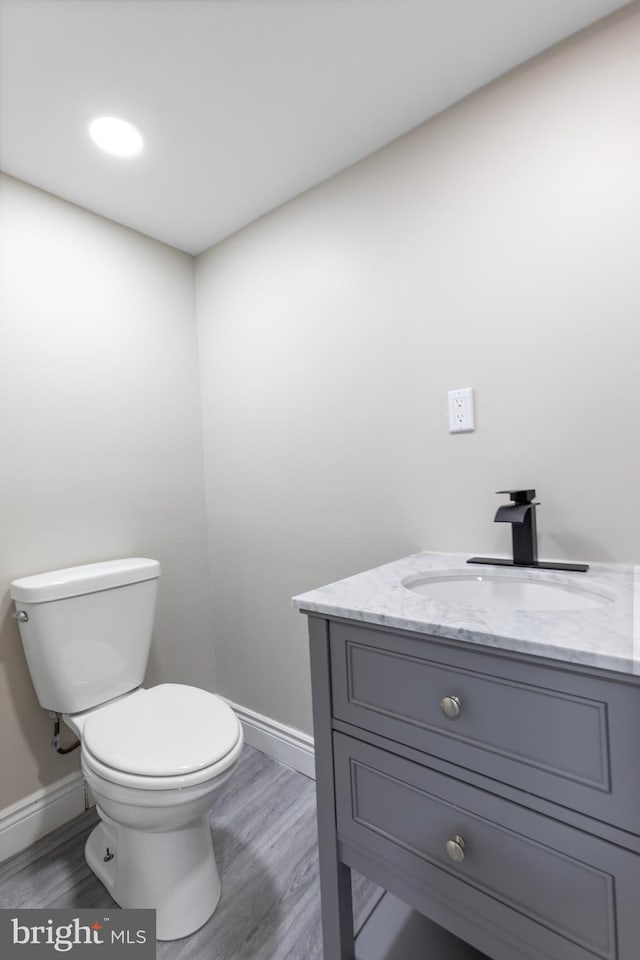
<point x="31" y="934"/>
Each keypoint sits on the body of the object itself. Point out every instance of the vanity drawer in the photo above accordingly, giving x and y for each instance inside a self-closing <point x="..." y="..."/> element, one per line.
<point x="568" y="738"/>
<point x="568" y="895"/>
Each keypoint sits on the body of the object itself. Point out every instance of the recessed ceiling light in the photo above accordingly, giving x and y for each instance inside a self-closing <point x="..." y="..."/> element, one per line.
<point x="116" y="136"/>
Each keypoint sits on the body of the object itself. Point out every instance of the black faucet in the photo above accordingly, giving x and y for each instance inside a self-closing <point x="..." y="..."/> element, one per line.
<point x="521" y="514"/>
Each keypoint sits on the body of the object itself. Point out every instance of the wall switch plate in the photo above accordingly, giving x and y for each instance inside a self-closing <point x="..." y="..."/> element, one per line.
<point x="461" y="415"/>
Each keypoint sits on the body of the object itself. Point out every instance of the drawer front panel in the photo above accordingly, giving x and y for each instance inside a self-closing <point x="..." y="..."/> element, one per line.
<point x="545" y="731"/>
<point x="549" y="883"/>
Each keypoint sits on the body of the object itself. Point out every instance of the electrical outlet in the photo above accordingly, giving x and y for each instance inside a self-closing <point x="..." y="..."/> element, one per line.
<point x="461" y="415"/>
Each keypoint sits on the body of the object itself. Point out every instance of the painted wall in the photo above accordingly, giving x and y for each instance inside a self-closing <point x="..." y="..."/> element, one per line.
<point x="495" y="247"/>
<point x="100" y="437"/>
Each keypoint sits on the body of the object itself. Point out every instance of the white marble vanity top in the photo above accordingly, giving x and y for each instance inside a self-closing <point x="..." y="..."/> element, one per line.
<point x="603" y="636"/>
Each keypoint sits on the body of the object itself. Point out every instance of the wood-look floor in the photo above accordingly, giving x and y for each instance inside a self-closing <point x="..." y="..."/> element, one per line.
<point x="264" y="834"/>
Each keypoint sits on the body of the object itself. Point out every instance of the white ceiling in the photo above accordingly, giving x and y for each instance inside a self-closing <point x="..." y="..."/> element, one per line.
<point x="243" y="103"/>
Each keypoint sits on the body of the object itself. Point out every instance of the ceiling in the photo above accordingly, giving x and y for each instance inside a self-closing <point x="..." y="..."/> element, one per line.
<point x="243" y="103"/>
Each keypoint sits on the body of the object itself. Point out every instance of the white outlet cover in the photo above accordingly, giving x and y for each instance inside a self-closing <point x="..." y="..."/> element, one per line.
<point x="461" y="413"/>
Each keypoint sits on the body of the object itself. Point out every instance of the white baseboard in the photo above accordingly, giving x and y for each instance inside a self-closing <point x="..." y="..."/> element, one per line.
<point x="277" y="740"/>
<point x="26" y="821"/>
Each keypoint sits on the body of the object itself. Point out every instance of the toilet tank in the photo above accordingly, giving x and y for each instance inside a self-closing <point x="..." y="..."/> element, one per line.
<point x="88" y="630"/>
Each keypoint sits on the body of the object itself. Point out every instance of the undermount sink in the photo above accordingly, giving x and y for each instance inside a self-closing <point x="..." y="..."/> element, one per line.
<point x="492" y="591"/>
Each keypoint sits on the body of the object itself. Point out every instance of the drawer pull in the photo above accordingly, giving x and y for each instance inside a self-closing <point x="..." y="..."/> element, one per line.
<point x="455" y="849"/>
<point x="451" y="707"/>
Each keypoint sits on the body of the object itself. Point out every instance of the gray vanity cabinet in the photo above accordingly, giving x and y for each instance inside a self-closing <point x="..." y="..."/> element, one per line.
<point x="496" y="794"/>
<point x="563" y="736"/>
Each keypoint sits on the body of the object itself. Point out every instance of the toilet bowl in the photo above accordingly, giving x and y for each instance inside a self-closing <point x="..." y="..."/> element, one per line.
<point x="153" y="758"/>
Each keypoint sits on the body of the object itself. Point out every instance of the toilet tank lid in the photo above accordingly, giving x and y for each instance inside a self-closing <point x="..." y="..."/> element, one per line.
<point x="88" y="578"/>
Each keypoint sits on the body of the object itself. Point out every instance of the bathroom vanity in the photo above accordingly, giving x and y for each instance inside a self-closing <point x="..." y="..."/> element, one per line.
<point x="479" y="763"/>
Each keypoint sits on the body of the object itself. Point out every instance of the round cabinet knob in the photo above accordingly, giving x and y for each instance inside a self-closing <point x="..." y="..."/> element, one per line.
<point x="455" y="849"/>
<point x="451" y="707"/>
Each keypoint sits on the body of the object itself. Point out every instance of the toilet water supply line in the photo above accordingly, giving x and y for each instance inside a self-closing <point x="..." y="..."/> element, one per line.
<point x="55" y="743"/>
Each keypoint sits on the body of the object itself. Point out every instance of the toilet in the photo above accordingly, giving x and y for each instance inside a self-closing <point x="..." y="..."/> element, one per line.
<point x="153" y="758"/>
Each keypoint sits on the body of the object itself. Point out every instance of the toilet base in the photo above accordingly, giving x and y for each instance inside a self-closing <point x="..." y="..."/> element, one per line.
<point x="173" y="872"/>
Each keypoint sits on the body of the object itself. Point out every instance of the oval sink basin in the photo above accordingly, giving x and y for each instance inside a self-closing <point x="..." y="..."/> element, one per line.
<point x="490" y="592"/>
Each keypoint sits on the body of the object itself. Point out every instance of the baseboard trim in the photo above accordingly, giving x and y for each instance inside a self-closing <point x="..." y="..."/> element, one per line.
<point x="277" y="740"/>
<point x="26" y="821"/>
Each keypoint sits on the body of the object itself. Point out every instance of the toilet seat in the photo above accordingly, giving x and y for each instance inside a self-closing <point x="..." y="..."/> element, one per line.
<point x="138" y="782"/>
<point x="169" y="736"/>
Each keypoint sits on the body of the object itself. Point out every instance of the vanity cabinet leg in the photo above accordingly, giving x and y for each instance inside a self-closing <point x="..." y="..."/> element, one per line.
<point x="335" y="877"/>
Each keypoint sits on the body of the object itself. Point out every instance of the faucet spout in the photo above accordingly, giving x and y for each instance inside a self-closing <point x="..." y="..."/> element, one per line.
<point x="513" y="513"/>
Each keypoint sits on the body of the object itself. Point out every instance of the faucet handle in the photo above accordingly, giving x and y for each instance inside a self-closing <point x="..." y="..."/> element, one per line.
<point x="520" y="497"/>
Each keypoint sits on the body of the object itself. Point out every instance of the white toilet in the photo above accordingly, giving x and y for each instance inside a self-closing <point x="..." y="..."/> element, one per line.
<point x="153" y="758"/>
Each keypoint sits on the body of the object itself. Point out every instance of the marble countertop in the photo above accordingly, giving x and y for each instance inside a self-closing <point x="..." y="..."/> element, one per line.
<point x="602" y="636"/>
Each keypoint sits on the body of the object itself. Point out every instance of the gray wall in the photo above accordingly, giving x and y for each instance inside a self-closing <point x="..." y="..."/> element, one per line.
<point x="100" y="437"/>
<point x="495" y="247"/>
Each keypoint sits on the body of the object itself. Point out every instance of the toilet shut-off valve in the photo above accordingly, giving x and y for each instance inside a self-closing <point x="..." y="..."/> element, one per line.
<point x="55" y="743"/>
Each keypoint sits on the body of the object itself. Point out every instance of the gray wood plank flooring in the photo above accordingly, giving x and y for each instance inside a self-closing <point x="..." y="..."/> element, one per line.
<point x="264" y="833"/>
